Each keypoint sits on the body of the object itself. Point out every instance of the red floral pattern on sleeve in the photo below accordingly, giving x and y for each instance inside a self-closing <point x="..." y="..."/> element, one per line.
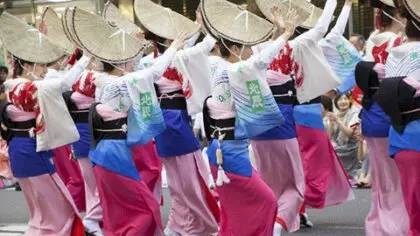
<point x="380" y="53"/>
<point x="86" y="84"/>
<point x="286" y="64"/>
<point x="172" y="74"/>
<point x="24" y="96"/>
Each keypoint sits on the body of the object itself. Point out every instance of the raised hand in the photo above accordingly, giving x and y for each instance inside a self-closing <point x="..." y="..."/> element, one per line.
<point x="290" y="22"/>
<point x="179" y="41"/>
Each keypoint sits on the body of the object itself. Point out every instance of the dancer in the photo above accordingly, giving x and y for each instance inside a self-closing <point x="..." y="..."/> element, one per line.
<point x="248" y="205"/>
<point x="181" y="91"/>
<point x="387" y="215"/>
<point x="398" y="96"/>
<point x="32" y="130"/>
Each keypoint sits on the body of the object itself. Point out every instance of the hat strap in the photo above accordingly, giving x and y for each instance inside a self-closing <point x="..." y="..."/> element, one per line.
<point x="233" y="53"/>
<point x="393" y="18"/>
<point x="415" y="25"/>
<point x="122" y="32"/>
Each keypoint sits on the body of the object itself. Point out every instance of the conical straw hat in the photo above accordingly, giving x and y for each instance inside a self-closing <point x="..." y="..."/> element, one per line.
<point x="413" y="7"/>
<point x="27" y="43"/>
<point x="313" y="18"/>
<point x="303" y="8"/>
<point x="388" y="2"/>
<point x="55" y="30"/>
<point x="229" y="21"/>
<point x="113" y="14"/>
<point x="101" y="39"/>
<point x="67" y="26"/>
<point x="162" y="21"/>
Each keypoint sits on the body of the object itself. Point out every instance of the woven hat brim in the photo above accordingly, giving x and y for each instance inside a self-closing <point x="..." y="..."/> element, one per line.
<point x="388" y="2"/>
<point x="104" y="41"/>
<point x="162" y="21"/>
<point x="113" y="14"/>
<point x="27" y="43"/>
<point x="228" y="21"/>
<point x="413" y="7"/>
<point x="313" y="18"/>
<point x="302" y="7"/>
<point x="55" y="30"/>
<point x="67" y="26"/>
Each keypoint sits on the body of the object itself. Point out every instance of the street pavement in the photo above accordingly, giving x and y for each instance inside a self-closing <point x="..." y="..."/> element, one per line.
<point x="343" y="220"/>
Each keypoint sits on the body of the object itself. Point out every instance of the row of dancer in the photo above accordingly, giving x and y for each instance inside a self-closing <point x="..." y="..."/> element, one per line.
<point x="247" y="102"/>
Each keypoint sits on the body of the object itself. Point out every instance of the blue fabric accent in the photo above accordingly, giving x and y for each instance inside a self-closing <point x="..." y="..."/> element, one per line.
<point x="115" y="156"/>
<point x="81" y="148"/>
<point x="347" y="84"/>
<point x="286" y="131"/>
<point x="375" y="123"/>
<point x="235" y="156"/>
<point x="26" y="162"/>
<point x="178" y="138"/>
<point x="140" y="129"/>
<point x="309" y="115"/>
<point x="408" y="140"/>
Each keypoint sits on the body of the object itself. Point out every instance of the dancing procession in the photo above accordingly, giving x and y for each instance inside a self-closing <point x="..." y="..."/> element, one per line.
<point x="266" y="118"/>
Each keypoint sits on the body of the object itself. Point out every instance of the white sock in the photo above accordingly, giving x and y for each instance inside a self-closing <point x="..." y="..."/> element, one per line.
<point x="277" y="229"/>
<point x="92" y="226"/>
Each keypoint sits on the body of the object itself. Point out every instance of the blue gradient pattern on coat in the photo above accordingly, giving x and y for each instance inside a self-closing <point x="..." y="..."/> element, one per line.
<point x="81" y="148"/>
<point x="140" y="130"/>
<point x="235" y="156"/>
<point x="286" y="131"/>
<point x="26" y="162"/>
<point x="115" y="156"/>
<point x="408" y="140"/>
<point x="375" y="123"/>
<point x="309" y="115"/>
<point x="251" y="124"/>
<point x="178" y="138"/>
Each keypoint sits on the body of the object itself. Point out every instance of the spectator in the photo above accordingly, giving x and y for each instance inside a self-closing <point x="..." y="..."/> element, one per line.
<point x="359" y="43"/>
<point x="341" y="130"/>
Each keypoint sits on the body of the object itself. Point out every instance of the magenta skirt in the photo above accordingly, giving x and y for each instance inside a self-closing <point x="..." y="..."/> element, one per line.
<point x="248" y="206"/>
<point x="149" y="166"/>
<point x="280" y="165"/>
<point x="408" y="163"/>
<point x="70" y="174"/>
<point x="129" y="208"/>
<point x="326" y="181"/>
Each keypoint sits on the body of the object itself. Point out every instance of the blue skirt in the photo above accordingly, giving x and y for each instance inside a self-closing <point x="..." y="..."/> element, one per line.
<point x="235" y="156"/>
<point x="285" y="131"/>
<point x="81" y="148"/>
<point x="26" y="162"/>
<point x="309" y="115"/>
<point x="408" y="140"/>
<point x="375" y="123"/>
<point x="178" y="138"/>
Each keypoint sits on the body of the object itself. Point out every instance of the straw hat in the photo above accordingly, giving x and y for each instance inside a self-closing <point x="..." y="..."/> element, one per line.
<point x="162" y="21"/>
<point x="303" y="8"/>
<point x="103" y="40"/>
<point x="413" y="7"/>
<point x="388" y="2"/>
<point x="67" y="26"/>
<point x="55" y="30"/>
<point x="112" y="13"/>
<point x="229" y="21"/>
<point x="27" y="43"/>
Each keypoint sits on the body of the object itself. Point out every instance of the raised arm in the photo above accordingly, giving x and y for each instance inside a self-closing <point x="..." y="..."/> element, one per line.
<point x="342" y="20"/>
<point x="71" y="76"/>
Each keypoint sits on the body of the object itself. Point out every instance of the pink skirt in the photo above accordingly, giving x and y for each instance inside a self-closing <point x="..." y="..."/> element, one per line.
<point x="52" y="210"/>
<point x="248" y="206"/>
<point x="194" y="209"/>
<point x="93" y="207"/>
<point x="326" y="181"/>
<point x="388" y="215"/>
<point x="280" y="165"/>
<point x="129" y="208"/>
<point x="408" y="163"/>
<point x="70" y="173"/>
<point x="149" y="166"/>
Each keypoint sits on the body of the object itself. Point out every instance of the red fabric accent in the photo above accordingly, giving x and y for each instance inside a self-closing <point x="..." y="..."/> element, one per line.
<point x="24" y="96"/>
<point x="73" y="57"/>
<point x="78" y="228"/>
<point x="380" y="53"/>
<point x="85" y="85"/>
<point x="357" y="95"/>
<point x="282" y="223"/>
<point x="172" y="73"/>
<point x="302" y="209"/>
<point x="211" y="201"/>
<point x="286" y="64"/>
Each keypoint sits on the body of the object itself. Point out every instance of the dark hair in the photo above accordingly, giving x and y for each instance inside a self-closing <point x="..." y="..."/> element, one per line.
<point x="79" y="54"/>
<point x="4" y="69"/>
<point x="153" y="37"/>
<point x="108" y="67"/>
<point x="18" y="63"/>
<point x="225" y="46"/>
<point x="386" y="21"/>
<point x="410" y="30"/>
<point x="341" y="95"/>
<point x="327" y="103"/>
